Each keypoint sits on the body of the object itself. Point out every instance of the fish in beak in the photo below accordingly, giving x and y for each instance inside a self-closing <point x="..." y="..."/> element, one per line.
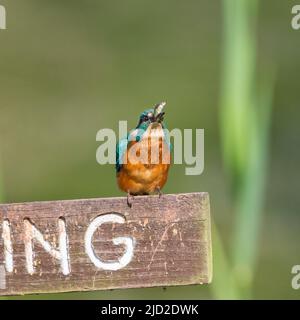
<point x="159" y="113"/>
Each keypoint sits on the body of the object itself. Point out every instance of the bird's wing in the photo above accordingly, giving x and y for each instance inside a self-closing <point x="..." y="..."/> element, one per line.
<point x="121" y="149"/>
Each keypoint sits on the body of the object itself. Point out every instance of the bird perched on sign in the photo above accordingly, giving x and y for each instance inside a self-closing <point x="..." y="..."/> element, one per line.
<point x="143" y="157"/>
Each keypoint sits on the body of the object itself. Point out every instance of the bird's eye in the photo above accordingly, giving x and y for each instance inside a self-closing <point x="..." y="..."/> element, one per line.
<point x="145" y="118"/>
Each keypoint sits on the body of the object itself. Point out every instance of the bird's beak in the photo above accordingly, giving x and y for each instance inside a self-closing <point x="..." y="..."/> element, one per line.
<point x="158" y="112"/>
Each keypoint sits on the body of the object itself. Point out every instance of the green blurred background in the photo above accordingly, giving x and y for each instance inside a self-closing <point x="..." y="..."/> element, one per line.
<point x="70" y="68"/>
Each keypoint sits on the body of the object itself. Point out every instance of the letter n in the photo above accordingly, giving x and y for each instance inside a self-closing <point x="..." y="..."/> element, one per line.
<point x="31" y="233"/>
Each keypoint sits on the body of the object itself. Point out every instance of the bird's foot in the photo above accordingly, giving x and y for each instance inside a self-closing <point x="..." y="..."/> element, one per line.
<point x="159" y="192"/>
<point x="130" y="199"/>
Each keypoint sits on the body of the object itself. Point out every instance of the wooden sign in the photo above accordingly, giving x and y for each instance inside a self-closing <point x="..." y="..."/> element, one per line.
<point x="97" y="244"/>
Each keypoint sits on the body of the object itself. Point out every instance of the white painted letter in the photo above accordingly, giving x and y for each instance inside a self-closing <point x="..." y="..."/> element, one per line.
<point x="2" y="277"/>
<point x="8" y="249"/>
<point x="31" y="233"/>
<point x="127" y="241"/>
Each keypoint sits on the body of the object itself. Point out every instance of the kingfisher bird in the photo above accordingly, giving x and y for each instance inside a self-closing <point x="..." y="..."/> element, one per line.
<point x="143" y="158"/>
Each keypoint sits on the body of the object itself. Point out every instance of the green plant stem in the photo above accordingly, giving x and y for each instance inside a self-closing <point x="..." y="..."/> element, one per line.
<point x="250" y="200"/>
<point x="245" y="119"/>
<point x="223" y="285"/>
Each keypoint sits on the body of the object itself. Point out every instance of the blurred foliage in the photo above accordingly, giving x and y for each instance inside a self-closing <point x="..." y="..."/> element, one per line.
<point x="70" y="69"/>
<point x="247" y="109"/>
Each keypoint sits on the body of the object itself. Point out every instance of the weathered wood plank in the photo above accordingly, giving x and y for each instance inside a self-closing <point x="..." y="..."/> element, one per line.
<point x="158" y="242"/>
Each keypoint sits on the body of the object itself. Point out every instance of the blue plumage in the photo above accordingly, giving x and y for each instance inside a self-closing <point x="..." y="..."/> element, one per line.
<point x="121" y="149"/>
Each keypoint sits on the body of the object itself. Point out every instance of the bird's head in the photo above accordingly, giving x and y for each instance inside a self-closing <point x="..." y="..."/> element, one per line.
<point x="152" y="117"/>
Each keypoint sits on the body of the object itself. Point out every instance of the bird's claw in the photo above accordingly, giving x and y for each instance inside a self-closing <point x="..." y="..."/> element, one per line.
<point x="129" y="203"/>
<point x="158" y="190"/>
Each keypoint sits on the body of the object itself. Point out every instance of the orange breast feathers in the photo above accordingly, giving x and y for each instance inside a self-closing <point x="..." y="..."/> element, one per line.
<point x="145" y="164"/>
